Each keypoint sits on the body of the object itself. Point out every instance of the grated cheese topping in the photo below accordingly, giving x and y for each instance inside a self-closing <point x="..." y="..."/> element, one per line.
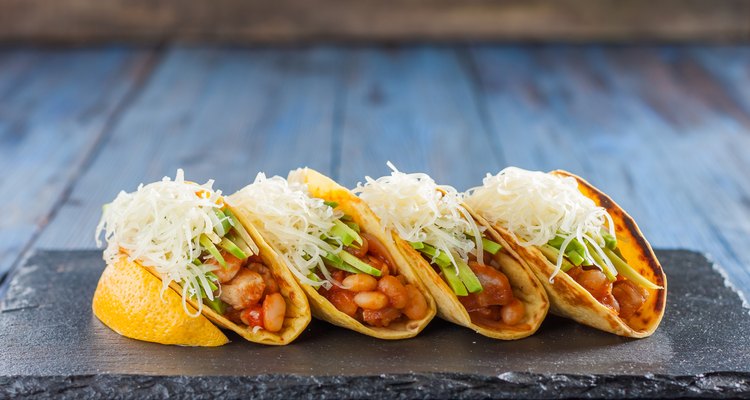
<point x="294" y="222"/>
<point x="159" y="225"/>
<point x="535" y="207"/>
<point x="420" y="210"/>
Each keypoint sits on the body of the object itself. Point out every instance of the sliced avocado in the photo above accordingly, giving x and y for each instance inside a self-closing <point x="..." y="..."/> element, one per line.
<point x="216" y="304"/>
<point x="331" y="204"/>
<point x="352" y="225"/>
<point x="442" y="258"/>
<point x="240" y="230"/>
<point x="313" y="277"/>
<point x="556" y="242"/>
<point x="345" y="233"/>
<point x="232" y="248"/>
<point x="359" y="264"/>
<point x="574" y="257"/>
<point x="450" y="276"/>
<point x="610" y="241"/>
<point x="225" y="224"/>
<point x="601" y="263"/>
<point x="208" y="245"/>
<point x="629" y="272"/>
<point x="490" y="246"/>
<point x="572" y="245"/>
<point x="236" y="239"/>
<point x="334" y="261"/>
<point x="211" y="279"/>
<point x="416" y="245"/>
<point x="467" y="276"/>
<point x="551" y="254"/>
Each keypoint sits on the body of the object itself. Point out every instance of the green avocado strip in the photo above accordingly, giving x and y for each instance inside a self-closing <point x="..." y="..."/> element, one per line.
<point x="600" y="262"/>
<point x="236" y="239"/>
<point x="208" y="245"/>
<point x="352" y="225"/>
<point x="216" y="304"/>
<point x="416" y="245"/>
<point x="442" y="259"/>
<point x="335" y="261"/>
<point x="610" y="241"/>
<point x="241" y="232"/>
<point x="490" y="246"/>
<point x="359" y="264"/>
<point x="574" y="257"/>
<point x="225" y="226"/>
<point x="467" y="276"/>
<point x="232" y="248"/>
<point x="453" y="280"/>
<point x="629" y="272"/>
<point x="345" y="233"/>
<point x="551" y="254"/>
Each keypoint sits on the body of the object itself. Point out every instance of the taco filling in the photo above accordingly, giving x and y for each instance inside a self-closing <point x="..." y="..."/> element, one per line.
<point x="327" y="250"/>
<point x="431" y="218"/>
<point x="569" y="229"/>
<point x="187" y="234"/>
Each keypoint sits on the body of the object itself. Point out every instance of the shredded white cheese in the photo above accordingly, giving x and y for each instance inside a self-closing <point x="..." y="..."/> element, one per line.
<point x="292" y="221"/>
<point x="420" y="210"/>
<point x="159" y="225"/>
<point x="535" y="207"/>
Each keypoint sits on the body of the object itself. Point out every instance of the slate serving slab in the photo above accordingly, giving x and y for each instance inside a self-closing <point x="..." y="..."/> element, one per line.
<point x="52" y="345"/>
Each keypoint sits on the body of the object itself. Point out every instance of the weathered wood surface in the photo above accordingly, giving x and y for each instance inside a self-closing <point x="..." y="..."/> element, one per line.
<point x="259" y="21"/>
<point x="664" y="130"/>
<point x="219" y="114"/>
<point x="55" y="107"/>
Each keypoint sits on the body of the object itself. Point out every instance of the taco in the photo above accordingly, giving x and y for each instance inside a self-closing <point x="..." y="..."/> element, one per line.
<point x="184" y="234"/>
<point x="345" y="262"/>
<point x="476" y="280"/>
<point x="589" y="254"/>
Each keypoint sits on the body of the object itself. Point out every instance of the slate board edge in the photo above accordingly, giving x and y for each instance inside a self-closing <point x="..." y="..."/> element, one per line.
<point x="512" y="384"/>
<point x="724" y="274"/>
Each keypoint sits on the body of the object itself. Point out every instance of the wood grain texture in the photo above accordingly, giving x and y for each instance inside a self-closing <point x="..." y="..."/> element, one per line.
<point x="664" y="130"/>
<point x="652" y="127"/>
<point x="257" y="21"/>
<point x="218" y="113"/>
<point x="415" y="107"/>
<point x="54" y="107"/>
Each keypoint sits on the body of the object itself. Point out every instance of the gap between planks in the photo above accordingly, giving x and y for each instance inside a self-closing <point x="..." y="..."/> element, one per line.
<point x="143" y="73"/>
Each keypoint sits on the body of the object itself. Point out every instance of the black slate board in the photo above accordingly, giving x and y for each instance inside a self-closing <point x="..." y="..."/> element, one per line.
<point x="54" y="346"/>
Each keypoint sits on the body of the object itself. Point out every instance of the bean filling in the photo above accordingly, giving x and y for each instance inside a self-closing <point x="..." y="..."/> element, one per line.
<point x="622" y="296"/>
<point x="375" y="301"/>
<point x="249" y="293"/>
<point x="495" y="303"/>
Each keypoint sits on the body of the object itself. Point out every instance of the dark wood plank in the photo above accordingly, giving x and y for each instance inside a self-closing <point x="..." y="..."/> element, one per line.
<point x="304" y="20"/>
<point x="417" y="108"/>
<point x="218" y="113"/>
<point x="647" y="125"/>
<point x="54" y="108"/>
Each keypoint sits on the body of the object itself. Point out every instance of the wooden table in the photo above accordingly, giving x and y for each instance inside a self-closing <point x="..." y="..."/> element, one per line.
<point x="664" y="130"/>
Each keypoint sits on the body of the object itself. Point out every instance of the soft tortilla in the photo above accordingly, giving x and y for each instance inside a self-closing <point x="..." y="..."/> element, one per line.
<point x="569" y="299"/>
<point x="526" y="288"/>
<point x="323" y="187"/>
<point x="297" y="308"/>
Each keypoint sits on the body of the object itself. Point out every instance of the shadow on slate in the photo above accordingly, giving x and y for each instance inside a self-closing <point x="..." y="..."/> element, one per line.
<point x="54" y="346"/>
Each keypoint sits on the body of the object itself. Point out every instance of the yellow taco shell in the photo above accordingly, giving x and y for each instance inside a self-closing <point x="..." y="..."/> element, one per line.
<point x="128" y="300"/>
<point x="571" y="300"/>
<point x="297" y="308"/>
<point x="323" y="187"/>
